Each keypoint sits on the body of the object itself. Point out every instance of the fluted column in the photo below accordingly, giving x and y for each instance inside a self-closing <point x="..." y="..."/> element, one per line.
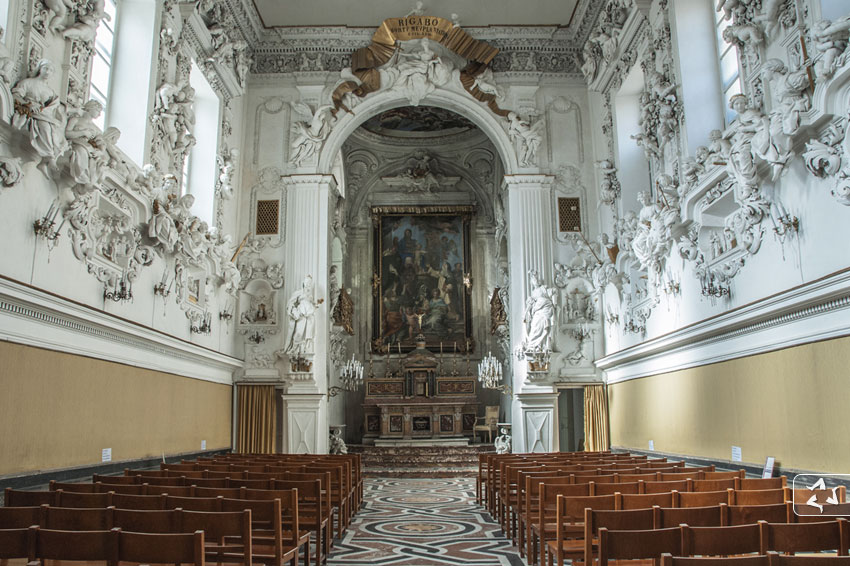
<point x="534" y="410"/>
<point x="305" y="402"/>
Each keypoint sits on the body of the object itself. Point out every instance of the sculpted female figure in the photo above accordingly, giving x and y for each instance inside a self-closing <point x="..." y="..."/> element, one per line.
<point x="539" y="316"/>
<point x="39" y="112"/>
<point x="301" y="308"/>
<point x="88" y="148"/>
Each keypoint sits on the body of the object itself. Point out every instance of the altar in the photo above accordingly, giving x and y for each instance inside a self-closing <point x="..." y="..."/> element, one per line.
<point x="415" y="403"/>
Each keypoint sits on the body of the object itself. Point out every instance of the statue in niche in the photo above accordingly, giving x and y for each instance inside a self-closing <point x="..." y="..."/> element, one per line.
<point x="527" y="136"/>
<point x="301" y="309"/>
<point x="88" y="148"/>
<point x="39" y="112"/>
<point x="260" y="310"/>
<point x="539" y="315"/>
<point x="420" y="176"/>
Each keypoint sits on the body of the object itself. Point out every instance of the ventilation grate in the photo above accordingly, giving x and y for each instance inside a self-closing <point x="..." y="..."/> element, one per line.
<point x="268" y="213"/>
<point x="569" y="215"/>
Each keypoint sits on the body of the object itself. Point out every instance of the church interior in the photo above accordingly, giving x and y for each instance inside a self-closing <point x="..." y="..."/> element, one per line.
<point x="432" y="282"/>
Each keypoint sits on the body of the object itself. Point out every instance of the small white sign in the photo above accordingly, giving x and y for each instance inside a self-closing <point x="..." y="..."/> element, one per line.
<point x="768" y="468"/>
<point x="652" y="445"/>
<point x="203" y="445"/>
<point x="736" y="454"/>
<point x="106" y="455"/>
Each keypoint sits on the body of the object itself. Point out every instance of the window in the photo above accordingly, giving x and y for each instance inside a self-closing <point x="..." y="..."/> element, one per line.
<point x="730" y="72"/>
<point x="102" y="60"/>
<point x="200" y="170"/>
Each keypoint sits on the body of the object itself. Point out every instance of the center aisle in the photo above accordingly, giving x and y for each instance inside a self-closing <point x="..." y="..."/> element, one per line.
<point x="422" y="522"/>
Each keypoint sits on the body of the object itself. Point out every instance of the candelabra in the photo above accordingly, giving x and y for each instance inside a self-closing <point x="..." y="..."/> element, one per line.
<point x="205" y="327"/>
<point x="226" y="314"/>
<point x="710" y="288"/>
<point x="671" y="288"/>
<point x="43" y="227"/>
<point x="120" y="292"/>
<point x="784" y="224"/>
<point x="490" y="375"/>
<point x="351" y="377"/>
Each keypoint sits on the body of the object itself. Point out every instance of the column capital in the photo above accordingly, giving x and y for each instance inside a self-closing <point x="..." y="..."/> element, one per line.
<point x="530" y="181"/>
<point x="309" y="180"/>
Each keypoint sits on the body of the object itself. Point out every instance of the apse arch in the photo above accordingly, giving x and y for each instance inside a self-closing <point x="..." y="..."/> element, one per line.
<point x="460" y="103"/>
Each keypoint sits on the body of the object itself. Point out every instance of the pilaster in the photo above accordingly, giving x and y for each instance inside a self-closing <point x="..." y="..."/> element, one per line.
<point x="307" y="252"/>
<point x="534" y="408"/>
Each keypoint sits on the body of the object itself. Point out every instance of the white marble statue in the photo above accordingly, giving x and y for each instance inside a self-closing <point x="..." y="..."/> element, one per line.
<point x="174" y="112"/>
<point x="301" y="309"/>
<point x="7" y="64"/>
<point x="830" y="39"/>
<point x="57" y="14"/>
<point x="789" y="90"/>
<point x="528" y="137"/>
<point x="226" y="169"/>
<point x="85" y="28"/>
<point x="88" y="148"/>
<point x="10" y="171"/>
<point x="417" y="71"/>
<point x="309" y="136"/>
<point x="503" y="442"/>
<point x="651" y="242"/>
<point x="486" y="83"/>
<point x="539" y="315"/>
<point x="39" y="112"/>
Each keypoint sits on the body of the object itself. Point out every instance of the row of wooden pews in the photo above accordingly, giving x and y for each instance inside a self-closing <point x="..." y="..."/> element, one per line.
<point x="569" y="506"/>
<point x="246" y="509"/>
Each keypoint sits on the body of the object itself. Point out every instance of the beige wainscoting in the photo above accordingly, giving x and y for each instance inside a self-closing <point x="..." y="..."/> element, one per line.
<point x="60" y="410"/>
<point x="791" y="404"/>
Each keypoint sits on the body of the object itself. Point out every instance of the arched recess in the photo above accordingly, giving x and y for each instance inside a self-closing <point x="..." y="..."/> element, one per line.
<point x="459" y="102"/>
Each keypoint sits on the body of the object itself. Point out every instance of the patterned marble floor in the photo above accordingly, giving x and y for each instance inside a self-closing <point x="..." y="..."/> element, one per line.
<point x="422" y="522"/>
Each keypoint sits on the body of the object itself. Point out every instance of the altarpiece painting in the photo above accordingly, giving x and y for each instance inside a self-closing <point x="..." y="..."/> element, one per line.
<point x="421" y="278"/>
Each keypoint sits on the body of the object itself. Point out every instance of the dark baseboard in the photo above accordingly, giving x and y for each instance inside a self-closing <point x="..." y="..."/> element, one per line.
<point x="753" y="470"/>
<point x="41" y="478"/>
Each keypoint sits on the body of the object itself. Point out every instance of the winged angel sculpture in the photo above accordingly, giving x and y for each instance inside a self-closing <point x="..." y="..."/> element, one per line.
<point x="310" y="135"/>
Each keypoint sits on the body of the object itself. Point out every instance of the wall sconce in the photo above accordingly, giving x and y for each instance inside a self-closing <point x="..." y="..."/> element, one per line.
<point x="256" y="338"/>
<point x="43" y="227"/>
<point x="227" y="313"/>
<point x="351" y="377"/>
<point x="121" y="292"/>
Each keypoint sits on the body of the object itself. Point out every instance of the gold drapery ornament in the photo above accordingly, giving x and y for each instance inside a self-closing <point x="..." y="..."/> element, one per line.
<point x="595" y="418"/>
<point x="366" y="60"/>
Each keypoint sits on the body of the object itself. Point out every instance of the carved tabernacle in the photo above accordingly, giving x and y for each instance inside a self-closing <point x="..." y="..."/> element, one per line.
<point x="417" y="403"/>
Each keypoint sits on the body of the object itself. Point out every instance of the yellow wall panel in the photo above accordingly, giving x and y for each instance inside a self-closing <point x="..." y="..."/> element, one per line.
<point x="791" y="404"/>
<point x="59" y="410"/>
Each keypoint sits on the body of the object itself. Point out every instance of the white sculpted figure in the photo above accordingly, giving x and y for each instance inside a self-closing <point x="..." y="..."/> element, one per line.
<point x="417" y="72"/>
<point x="830" y="40"/>
<point x="503" y="442"/>
<point x="85" y="28"/>
<point x="788" y="88"/>
<point x="39" y="112"/>
<point x="173" y="110"/>
<point x="529" y="138"/>
<point x="88" y="148"/>
<point x="650" y="243"/>
<point x="7" y="65"/>
<point x="301" y="309"/>
<point x="309" y="136"/>
<point x="539" y="315"/>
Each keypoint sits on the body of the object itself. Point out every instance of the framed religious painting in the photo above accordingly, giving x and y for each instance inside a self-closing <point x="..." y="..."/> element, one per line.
<point x="421" y="281"/>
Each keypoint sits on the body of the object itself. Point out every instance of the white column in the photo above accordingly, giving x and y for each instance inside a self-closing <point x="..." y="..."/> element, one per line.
<point x="307" y="248"/>
<point x="534" y="410"/>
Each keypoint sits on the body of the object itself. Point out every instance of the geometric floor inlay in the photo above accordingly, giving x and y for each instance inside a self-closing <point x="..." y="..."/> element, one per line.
<point x="422" y="522"/>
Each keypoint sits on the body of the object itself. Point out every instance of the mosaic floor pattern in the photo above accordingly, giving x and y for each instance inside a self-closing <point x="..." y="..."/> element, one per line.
<point x="422" y="522"/>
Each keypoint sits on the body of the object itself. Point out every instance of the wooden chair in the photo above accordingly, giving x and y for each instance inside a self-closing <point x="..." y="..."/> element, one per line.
<point x="702" y="499"/>
<point x="630" y="488"/>
<point x="802" y="513"/>
<point x="750" y="514"/>
<point x="123" y="480"/>
<point x="227" y="535"/>
<point x="647" y="500"/>
<point x="569" y="524"/>
<point x="668" y="485"/>
<point x="170" y="548"/>
<point x="720" y="541"/>
<point x="276" y="531"/>
<point x="758" y="496"/>
<point x="669" y="517"/>
<point x="638" y="545"/>
<point x="17" y="543"/>
<point x="487" y="423"/>
<point x="82" y="546"/>
<point x="806" y="537"/>
<point x="757" y="560"/>
<point x="74" y="519"/>
<point x="542" y="527"/>
<point x="208" y="504"/>
<point x="736" y="474"/>
<point x="22" y="498"/>
<point x="713" y="484"/>
<point x="618" y="520"/>
<point x="761" y="483"/>
<point x="162" y="521"/>
<point x="140" y="502"/>
<point x="73" y="487"/>
<point x="19" y="517"/>
<point x="313" y="510"/>
<point x="81" y="500"/>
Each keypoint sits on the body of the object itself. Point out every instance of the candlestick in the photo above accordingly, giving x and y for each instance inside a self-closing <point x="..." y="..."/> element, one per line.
<point x="467" y="358"/>
<point x="441" y="358"/>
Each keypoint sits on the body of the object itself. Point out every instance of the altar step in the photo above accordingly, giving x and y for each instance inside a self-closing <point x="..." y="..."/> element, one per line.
<point x="420" y="461"/>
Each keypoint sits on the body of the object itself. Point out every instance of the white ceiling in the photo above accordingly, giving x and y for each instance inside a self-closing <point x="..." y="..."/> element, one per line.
<point x="370" y="13"/>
